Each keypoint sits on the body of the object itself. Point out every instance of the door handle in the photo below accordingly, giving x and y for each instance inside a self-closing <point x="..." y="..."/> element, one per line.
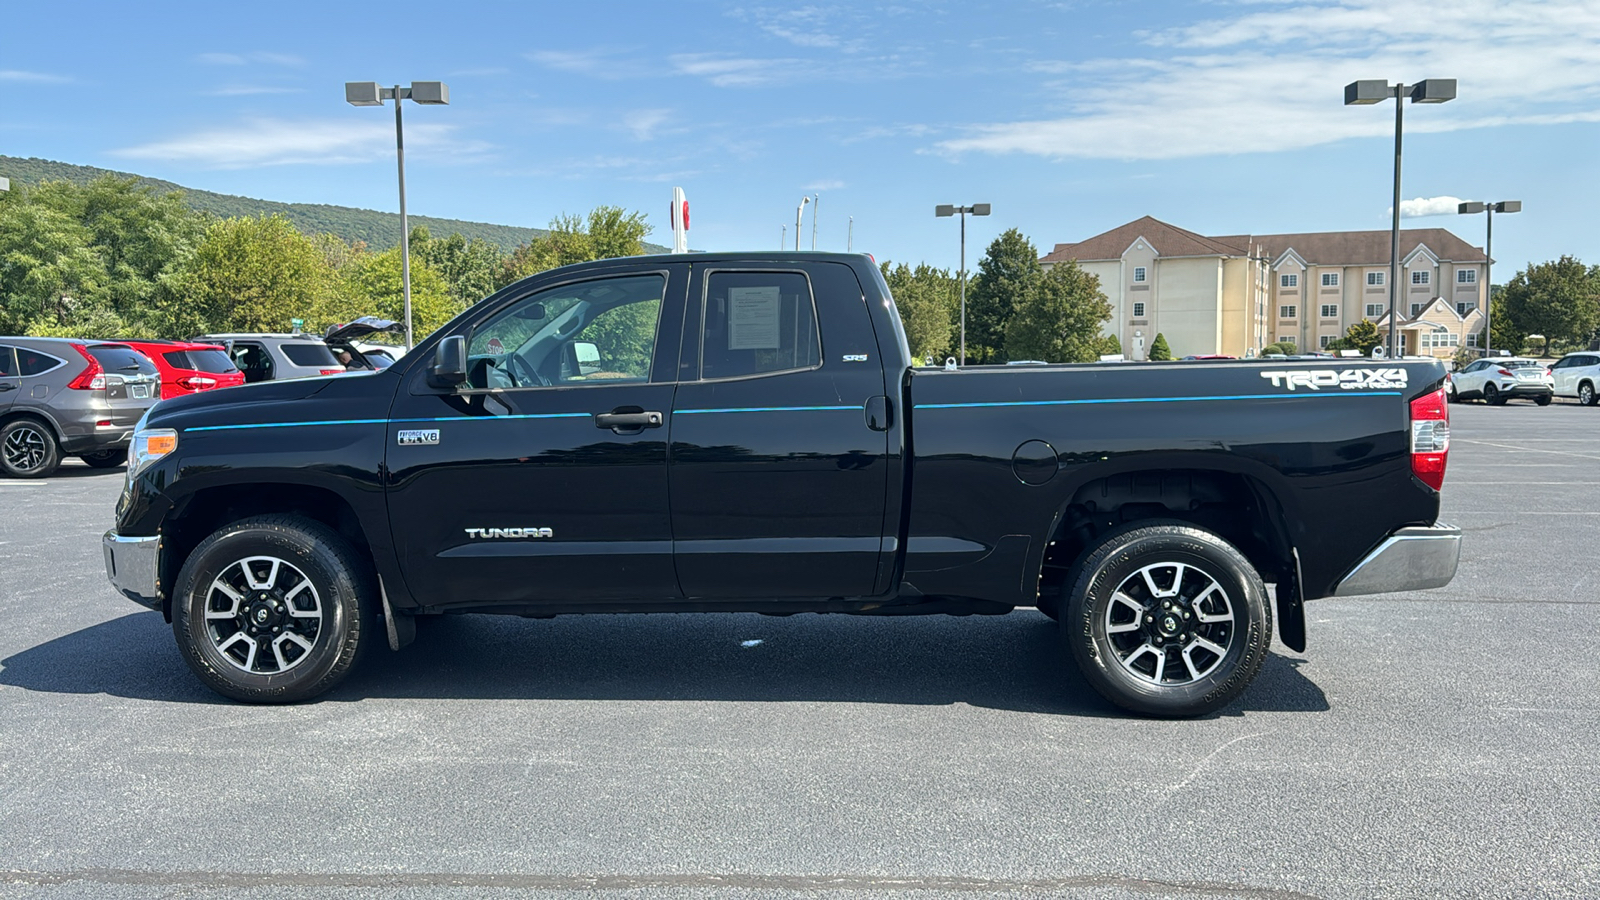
<point x="628" y="419"/>
<point x="7" y="387"/>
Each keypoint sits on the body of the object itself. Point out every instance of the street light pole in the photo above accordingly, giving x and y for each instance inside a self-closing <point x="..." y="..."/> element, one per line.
<point x="798" y="214"/>
<point x="1470" y="208"/>
<point x="427" y="93"/>
<point x="944" y="210"/>
<point x="1366" y="93"/>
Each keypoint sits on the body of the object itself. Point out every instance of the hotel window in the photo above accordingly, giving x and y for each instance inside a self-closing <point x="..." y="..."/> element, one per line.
<point x="1419" y="277"/>
<point x="1416" y="309"/>
<point x="1286" y="312"/>
<point x="1138" y="310"/>
<point x="1472" y="339"/>
<point x="1466" y="276"/>
<point x="1330" y="279"/>
<point x="1465" y="307"/>
<point x="1375" y="279"/>
<point x="1324" y="341"/>
<point x="1288" y="281"/>
<point x="1330" y="310"/>
<point x="1374" y="310"/>
<point x="1286" y="339"/>
<point x="1138" y="273"/>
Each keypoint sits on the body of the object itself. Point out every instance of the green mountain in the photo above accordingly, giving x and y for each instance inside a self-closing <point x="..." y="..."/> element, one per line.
<point x="378" y="229"/>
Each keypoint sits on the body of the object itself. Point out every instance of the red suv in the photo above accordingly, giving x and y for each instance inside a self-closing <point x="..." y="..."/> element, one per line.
<point x="189" y="368"/>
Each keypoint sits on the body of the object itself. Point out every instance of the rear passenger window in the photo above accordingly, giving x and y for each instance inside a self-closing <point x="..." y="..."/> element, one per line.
<point x="758" y="323"/>
<point x="8" y="363"/>
<point x="316" y="356"/>
<point x="30" y="362"/>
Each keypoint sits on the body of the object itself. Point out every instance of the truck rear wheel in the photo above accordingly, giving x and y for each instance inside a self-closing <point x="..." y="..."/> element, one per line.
<point x="273" y="609"/>
<point x="1167" y="620"/>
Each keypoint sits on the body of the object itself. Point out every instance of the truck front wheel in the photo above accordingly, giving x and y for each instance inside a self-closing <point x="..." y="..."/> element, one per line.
<point x="1167" y="620"/>
<point x="273" y="609"/>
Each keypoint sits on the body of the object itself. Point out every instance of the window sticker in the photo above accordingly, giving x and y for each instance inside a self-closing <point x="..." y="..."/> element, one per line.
<point x="753" y="314"/>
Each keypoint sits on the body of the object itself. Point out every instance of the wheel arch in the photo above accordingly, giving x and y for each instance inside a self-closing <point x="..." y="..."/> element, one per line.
<point x="203" y="512"/>
<point x="1240" y="503"/>
<point x="39" y="415"/>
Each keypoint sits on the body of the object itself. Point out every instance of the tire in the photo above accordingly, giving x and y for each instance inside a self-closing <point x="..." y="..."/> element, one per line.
<point x="1128" y="577"/>
<point x="1586" y="394"/>
<point x="321" y="625"/>
<point x="105" y="459"/>
<point x="1491" y="396"/>
<point x="28" y="449"/>
<point x="1542" y="401"/>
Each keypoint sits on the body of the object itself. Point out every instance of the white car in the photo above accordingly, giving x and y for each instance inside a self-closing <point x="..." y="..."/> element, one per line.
<point x="1498" y="379"/>
<point x="1578" y="375"/>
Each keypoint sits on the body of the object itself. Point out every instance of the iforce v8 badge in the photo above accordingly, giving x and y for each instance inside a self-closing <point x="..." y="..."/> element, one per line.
<point x="412" y="437"/>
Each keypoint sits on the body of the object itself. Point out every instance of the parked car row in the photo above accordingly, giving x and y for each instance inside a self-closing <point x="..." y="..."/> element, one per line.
<point x="64" y="397"/>
<point x="1496" y="380"/>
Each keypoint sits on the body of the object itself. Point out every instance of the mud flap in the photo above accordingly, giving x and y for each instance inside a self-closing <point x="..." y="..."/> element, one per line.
<point x="402" y="629"/>
<point x="1291" y="611"/>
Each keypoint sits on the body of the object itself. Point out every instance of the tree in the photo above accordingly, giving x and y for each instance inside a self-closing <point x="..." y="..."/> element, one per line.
<point x="247" y="275"/>
<point x="1110" y="345"/>
<point x="1559" y="300"/>
<point x="470" y="268"/>
<point x="1363" y="336"/>
<point x="371" y="286"/>
<point x="1008" y="274"/>
<point x="47" y="267"/>
<point x="1287" y="349"/>
<point x="608" y="232"/>
<point x="1159" y="351"/>
<point x="1060" y="319"/>
<point x="927" y="299"/>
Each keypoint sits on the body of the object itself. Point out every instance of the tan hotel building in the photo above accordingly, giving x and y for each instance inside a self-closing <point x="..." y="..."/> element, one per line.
<point x="1237" y="293"/>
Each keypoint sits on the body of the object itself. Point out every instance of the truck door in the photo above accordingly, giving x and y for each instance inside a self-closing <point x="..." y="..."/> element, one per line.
<point x="543" y="479"/>
<point x="778" y="478"/>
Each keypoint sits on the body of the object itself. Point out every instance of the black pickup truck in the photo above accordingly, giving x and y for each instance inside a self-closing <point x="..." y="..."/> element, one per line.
<point x="724" y="432"/>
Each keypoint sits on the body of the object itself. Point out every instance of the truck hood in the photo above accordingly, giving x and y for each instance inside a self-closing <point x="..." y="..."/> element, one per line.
<point x="219" y="407"/>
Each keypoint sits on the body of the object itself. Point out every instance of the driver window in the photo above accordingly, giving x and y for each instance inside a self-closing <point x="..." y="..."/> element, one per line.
<point x="592" y="332"/>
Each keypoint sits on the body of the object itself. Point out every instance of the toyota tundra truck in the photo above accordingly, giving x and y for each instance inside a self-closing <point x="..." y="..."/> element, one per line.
<point x="750" y="433"/>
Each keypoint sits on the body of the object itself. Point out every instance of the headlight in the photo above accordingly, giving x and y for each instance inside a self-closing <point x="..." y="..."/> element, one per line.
<point x="148" y="446"/>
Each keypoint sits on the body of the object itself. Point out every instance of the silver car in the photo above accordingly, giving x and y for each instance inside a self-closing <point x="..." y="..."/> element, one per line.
<point x="273" y="357"/>
<point x="64" y="396"/>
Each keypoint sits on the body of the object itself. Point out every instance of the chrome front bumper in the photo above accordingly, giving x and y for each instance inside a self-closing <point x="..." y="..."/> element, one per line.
<point x="133" y="565"/>
<point x="1411" y="559"/>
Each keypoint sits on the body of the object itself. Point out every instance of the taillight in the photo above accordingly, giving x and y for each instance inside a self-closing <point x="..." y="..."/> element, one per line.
<point x="331" y="371"/>
<point x="1506" y="372"/>
<point x="196" y="382"/>
<point x="1430" y="438"/>
<point x="92" y="378"/>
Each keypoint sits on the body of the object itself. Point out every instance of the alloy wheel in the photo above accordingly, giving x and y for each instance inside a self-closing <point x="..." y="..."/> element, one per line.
<point x="26" y="448"/>
<point x="263" y="615"/>
<point x="1170" y="623"/>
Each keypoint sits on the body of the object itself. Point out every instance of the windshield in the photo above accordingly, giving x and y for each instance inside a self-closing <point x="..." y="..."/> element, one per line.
<point x="1522" y="364"/>
<point x="119" y="360"/>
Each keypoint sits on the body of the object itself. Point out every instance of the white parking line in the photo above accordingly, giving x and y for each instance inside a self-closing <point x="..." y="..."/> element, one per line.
<point x="1529" y="449"/>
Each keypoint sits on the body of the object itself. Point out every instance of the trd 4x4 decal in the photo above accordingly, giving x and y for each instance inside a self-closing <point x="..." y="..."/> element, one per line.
<point x="1343" y="379"/>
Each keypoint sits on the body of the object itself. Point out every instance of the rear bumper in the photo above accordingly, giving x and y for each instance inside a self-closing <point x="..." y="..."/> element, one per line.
<point x="1524" y="389"/>
<point x="1411" y="559"/>
<point x="133" y="565"/>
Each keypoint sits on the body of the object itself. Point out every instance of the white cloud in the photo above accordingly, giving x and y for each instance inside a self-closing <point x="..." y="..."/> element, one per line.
<point x="259" y="56"/>
<point x="724" y="71"/>
<point x="646" y="123"/>
<point x="1271" y="79"/>
<point x="601" y="62"/>
<point x="34" y="77"/>
<point x="275" y="142"/>
<point x="245" y="90"/>
<point x="831" y="184"/>
<point x="1426" y="206"/>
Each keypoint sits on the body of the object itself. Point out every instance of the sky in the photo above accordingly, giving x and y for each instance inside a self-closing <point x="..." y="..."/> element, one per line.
<point x="1069" y="118"/>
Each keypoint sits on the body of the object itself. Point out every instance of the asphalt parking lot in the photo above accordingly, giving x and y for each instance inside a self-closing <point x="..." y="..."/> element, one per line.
<point x="1441" y="744"/>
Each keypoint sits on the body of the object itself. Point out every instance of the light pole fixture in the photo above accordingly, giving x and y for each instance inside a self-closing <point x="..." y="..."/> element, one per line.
<point x="944" y="210"/>
<point x="427" y="93"/>
<point x="1366" y="93"/>
<point x="1472" y="208"/>
<point x="800" y="211"/>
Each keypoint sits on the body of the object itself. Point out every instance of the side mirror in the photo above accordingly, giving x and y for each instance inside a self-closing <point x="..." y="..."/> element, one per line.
<point x="449" y="367"/>
<point x="587" y="355"/>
